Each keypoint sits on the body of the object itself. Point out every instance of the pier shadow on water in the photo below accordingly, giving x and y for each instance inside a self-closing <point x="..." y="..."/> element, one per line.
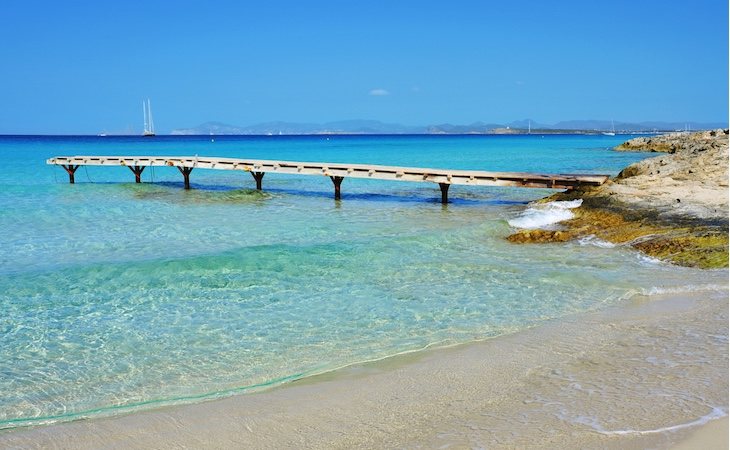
<point x="216" y="193"/>
<point x="174" y="193"/>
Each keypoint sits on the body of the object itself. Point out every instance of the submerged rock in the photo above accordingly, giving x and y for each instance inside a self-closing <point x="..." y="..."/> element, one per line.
<point x="542" y="236"/>
<point x="696" y="248"/>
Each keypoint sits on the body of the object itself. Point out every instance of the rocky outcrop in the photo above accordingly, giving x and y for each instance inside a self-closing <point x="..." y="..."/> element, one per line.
<point x="673" y="207"/>
<point x="673" y="142"/>
<point x="691" y="183"/>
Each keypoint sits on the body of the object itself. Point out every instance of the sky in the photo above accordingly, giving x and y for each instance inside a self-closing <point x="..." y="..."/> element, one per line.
<point x="83" y="67"/>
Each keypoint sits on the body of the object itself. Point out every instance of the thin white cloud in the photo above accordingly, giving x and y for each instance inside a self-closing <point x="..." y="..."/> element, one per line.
<point x="378" y="92"/>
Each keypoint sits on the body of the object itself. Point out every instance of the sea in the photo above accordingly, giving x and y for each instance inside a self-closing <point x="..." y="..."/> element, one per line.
<point x="117" y="296"/>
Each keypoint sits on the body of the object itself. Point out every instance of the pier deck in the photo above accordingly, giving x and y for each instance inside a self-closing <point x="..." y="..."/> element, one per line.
<point x="335" y="171"/>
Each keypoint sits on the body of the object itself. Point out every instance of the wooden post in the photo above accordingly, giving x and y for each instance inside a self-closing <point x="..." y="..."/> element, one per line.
<point x="258" y="176"/>
<point x="137" y="173"/>
<point x="337" y="181"/>
<point x="444" y="192"/>
<point x="70" y="169"/>
<point x="185" y="171"/>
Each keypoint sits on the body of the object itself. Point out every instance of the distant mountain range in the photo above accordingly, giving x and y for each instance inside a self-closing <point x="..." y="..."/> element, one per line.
<point x="377" y="127"/>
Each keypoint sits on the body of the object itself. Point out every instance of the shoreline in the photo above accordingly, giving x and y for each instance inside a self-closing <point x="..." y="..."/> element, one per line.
<point x="498" y="392"/>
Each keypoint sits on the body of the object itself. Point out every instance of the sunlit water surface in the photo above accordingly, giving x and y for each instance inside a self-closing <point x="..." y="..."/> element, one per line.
<point x="117" y="295"/>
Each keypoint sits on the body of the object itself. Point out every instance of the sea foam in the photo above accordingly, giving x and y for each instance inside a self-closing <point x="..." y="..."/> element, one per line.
<point x="544" y="215"/>
<point x="596" y="242"/>
<point x="716" y="413"/>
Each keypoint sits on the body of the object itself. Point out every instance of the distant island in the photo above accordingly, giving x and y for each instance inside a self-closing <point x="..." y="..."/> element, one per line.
<point x="525" y="126"/>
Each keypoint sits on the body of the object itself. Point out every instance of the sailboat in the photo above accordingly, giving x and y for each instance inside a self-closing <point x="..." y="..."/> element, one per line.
<point x="612" y="132"/>
<point x="149" y="125"/>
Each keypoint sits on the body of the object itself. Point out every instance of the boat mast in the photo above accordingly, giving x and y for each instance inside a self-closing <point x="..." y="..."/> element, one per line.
<point x="149" y="115"/>
<point x="144" y="113"/>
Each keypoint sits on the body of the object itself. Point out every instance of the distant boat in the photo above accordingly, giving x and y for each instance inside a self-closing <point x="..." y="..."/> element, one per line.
<point x="149" y="125"/>
<point x="612" y="132"/>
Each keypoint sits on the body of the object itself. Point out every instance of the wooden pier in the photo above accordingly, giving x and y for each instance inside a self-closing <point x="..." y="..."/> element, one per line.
<point x="337" y="172"/>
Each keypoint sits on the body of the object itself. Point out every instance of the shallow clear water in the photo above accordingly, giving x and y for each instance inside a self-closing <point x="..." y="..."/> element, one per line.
<point x="116" y="295"/>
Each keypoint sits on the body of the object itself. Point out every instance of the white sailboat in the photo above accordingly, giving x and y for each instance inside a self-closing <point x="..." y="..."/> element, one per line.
<point x="149" y="125"/>
<point x="612" y="132"/>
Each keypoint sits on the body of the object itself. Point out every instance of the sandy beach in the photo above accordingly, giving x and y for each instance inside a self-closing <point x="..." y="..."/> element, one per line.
<point x="648" y="373"/>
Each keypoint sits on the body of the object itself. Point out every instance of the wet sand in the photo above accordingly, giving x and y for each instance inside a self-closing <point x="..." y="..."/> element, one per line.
<point x="713" y="436"/>
<point x="647" y="373"/>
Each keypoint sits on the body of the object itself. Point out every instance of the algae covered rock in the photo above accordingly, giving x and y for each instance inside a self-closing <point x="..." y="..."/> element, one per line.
<point x="703" y="249"/>
<point x="540" y="236"/>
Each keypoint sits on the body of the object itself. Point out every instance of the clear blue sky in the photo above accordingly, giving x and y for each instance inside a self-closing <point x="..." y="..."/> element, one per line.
<point x="85" y="66"/>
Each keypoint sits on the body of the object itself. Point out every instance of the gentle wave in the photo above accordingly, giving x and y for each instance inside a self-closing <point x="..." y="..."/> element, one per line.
<point x="716" y="413"/>
<point x="658" y="290"/>
<point x="649" y="260"/>
<point x="138" y="406"/>
<point x="596" y="242"/>
<point x="544" y="215"/>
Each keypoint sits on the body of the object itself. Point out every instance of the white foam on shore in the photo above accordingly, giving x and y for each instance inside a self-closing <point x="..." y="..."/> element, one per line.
<point x="658" y="290"/>
<point x="716" y="413"/>
<point x="544" y="215"/>
<point x="596" y="242"/>
<point x="649" y="260"/>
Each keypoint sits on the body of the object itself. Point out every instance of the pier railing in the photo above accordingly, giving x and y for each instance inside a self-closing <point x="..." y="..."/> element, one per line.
<point x="337" y="172"/>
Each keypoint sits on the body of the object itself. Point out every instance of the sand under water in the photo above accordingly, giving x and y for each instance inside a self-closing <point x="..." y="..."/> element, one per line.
<point x="646" y="373"/>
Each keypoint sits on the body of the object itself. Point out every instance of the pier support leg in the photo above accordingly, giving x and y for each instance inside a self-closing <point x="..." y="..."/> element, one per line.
<point x="337" y="181"/>
<point x="137" y="170"/>
<point x="70" y="169"/>
<point x="185" y="171"/>
<point x="258" y="176"/>
<point x="444" y="192"/>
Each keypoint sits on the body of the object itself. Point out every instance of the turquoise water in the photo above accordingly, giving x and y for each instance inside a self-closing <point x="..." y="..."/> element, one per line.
<point x="118" y="296"/>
